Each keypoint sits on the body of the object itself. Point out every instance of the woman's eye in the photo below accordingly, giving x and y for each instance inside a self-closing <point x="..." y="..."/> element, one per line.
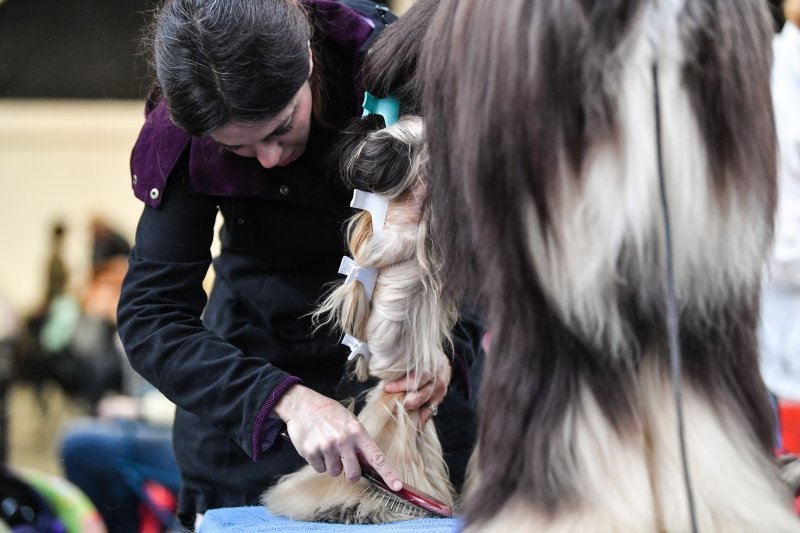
<point x="283" y="130"/>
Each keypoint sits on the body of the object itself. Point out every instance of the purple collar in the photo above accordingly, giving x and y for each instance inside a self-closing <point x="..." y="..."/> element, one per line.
<point x="211" y="171"/>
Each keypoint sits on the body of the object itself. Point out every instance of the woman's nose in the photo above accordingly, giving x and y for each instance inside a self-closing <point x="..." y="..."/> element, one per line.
<point x="268" y="153"/>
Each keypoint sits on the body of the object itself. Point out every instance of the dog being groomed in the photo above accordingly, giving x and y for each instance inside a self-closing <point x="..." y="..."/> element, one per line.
<point x="552" y="129"/>
<point x="390" y="307"/>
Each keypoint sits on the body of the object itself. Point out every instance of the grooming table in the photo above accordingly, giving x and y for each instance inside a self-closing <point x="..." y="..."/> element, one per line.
<point x="258" y="520"/>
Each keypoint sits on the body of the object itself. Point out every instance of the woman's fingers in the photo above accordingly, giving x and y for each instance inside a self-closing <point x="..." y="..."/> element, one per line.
<point x="374" y="457"/>
<point x="316" y="461"/>
<point x="416" y="399"/>
<point x="426" y="391"/>
<point x="350" y="465"/>
<point x="427" y="412"/>
<point x="407" y="383"/>
<point x="333" y="461"/>
<point x="330" y="437"/>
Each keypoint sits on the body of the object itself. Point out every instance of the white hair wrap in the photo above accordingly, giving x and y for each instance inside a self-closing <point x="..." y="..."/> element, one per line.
<point x="376" y="205"/>
<point x="357" y="347"/>
<point x="367" y="276"/>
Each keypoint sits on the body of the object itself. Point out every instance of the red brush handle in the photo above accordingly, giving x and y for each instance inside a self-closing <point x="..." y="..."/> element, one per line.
<point x="406" y="493"/>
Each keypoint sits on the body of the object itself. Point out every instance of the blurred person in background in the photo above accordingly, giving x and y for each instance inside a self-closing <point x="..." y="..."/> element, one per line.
<point x="57" y="275"/>
<point x="71" y="338"/>
<point x="780" y="330"/>
<point x="123" y="459"/>
<point x="123" y="454"/>
<point x="107" y="243"/>
<point x="50" y="323"/>
<point x="10" y="329"/>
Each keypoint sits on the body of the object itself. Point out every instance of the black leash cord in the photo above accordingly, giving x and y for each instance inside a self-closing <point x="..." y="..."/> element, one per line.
<point x="671" y="307"/>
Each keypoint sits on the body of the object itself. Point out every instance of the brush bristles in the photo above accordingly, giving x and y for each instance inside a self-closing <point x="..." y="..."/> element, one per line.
<point x="395" y="505"/>
<point x="384" y="507"/>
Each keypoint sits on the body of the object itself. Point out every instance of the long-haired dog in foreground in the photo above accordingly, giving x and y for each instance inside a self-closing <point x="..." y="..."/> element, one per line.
<point x="406" y="326"/>
<point x="542" y="128"/>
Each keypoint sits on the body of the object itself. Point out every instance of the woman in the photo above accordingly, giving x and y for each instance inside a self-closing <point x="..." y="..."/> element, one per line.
<point x="261" y="87"/>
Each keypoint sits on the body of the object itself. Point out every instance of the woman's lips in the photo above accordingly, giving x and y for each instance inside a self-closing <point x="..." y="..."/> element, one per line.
<point x="288" y="160"/>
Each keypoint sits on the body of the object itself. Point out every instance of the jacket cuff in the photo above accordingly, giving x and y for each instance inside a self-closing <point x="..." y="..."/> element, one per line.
<point x="266" y="429"/>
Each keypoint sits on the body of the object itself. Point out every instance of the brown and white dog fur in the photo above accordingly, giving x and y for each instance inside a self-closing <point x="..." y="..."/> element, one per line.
<point x="541" y="129"/>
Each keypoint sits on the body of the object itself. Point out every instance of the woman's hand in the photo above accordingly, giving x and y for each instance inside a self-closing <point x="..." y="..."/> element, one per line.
<point x="330" y="437"/>
<point x="428" y="392"/>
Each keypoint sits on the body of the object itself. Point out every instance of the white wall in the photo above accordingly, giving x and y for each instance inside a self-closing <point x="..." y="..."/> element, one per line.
<point x="61" y="159"/>
<point x="67" y="160"/>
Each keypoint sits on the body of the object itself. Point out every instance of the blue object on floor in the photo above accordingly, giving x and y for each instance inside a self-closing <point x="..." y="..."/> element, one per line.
<point x="258" y="520"/>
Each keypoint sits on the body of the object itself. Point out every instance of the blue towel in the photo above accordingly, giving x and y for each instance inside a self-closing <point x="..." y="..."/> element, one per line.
<point x="258" y="520"/>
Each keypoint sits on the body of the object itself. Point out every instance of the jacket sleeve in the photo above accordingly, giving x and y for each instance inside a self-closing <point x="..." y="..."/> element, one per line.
<point x="159" y="320"/>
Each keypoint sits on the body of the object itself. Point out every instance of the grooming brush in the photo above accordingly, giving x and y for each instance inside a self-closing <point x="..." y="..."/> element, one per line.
<point x="410" y="500"/>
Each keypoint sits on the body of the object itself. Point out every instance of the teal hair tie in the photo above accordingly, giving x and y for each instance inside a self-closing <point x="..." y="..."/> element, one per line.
<point x="388" y="108"/>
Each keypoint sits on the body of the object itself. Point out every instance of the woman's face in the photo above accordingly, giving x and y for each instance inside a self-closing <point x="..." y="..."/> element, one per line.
<point x="276" y="141"/>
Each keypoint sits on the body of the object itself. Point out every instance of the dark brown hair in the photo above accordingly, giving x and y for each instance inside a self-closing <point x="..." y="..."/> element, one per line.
<point x="243" y="60"/>
<point x="237" y="60"/>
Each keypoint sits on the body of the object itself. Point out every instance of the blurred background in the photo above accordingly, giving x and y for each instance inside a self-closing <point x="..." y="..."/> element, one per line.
<point x="73" y="74"/>
<point x="72" y="78"/>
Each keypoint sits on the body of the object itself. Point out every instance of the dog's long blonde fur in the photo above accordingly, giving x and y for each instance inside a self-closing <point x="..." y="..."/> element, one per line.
<point x="407" y="326"/>
<point x="407" y="323"/>
<point x="414" y="450"/>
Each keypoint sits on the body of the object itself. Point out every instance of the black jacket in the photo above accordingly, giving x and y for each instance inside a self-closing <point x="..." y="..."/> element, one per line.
<point x="224" y="362"/>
